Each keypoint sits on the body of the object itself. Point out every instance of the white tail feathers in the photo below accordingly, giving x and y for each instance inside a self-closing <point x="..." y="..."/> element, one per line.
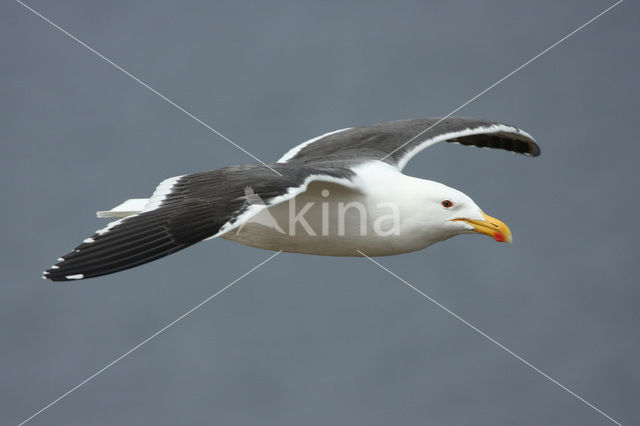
<point x="129" y="207"/>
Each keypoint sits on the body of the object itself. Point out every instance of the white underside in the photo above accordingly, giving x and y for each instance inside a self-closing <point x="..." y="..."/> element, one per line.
<point x="327" y="227"/>
<point x="333" y="225"/>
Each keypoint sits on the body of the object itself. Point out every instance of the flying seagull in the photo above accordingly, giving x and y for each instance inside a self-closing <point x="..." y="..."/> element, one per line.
<point x="339" y="194"/>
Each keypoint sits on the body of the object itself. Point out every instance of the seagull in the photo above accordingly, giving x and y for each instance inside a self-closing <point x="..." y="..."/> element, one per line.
<point x="340" y="194"/>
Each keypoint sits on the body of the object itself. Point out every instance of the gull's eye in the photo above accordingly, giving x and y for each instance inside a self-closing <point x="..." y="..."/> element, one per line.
<point x="447" y="204"/>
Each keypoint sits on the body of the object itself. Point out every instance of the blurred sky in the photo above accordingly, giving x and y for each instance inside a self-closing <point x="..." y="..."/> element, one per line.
<point x="316" y="340"/>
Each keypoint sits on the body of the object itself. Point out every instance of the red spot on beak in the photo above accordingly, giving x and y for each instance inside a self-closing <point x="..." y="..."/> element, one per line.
<point x="499" y="237"/>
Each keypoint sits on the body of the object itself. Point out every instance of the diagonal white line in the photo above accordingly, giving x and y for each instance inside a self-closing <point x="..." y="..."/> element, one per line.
<point x="492" y="340"/>
<point x="146" y="86"/>
<point x="505" y="77"/>
<point x="148" y="339"/>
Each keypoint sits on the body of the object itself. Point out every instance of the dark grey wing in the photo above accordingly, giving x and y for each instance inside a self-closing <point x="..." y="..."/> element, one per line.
<point x="185" y="210"/>
<point x="396" y="142"/>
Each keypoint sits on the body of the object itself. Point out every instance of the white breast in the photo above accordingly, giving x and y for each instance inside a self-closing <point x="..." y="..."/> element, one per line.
<point x="332" y="220"/>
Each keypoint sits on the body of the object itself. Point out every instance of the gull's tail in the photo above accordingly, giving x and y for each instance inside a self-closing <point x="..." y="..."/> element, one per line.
<point x="128" y="208"/>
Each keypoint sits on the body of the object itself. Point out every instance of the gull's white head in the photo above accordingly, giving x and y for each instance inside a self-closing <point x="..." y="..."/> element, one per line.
<point x="441" y="212"/>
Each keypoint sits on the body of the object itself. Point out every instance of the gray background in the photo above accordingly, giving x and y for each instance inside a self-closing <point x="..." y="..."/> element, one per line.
<point x="316" y="340"/>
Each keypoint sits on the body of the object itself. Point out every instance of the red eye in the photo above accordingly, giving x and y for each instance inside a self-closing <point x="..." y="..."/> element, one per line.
<point x="447" y="204"/>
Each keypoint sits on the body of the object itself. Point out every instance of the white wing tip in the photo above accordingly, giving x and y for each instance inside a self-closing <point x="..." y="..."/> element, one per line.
<point x="75" y="277"/>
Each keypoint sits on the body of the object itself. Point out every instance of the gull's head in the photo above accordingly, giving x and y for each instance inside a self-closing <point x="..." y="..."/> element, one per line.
<point x="447" y="212"/>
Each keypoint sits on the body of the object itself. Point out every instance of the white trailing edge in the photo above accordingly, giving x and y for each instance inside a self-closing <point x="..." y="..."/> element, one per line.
<point x="296" y="149"/>
<point x="494" y="128"/>
<point x="160" y="194"/>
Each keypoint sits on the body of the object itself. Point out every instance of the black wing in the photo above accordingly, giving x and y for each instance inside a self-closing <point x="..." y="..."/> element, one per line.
<point x="182" y="212"/>
<point x="396" y="142"/>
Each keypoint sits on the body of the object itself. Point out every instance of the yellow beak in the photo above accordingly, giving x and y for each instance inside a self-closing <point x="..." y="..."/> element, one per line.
<point x="492" y="227"/>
